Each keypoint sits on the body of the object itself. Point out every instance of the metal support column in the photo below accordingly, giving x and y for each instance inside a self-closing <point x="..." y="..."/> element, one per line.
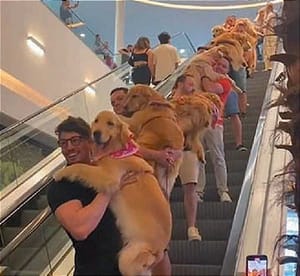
<point x="119" y="27"/>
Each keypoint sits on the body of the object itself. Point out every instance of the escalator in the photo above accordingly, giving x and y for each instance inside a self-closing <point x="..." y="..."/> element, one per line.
<point x="214" y="218"/>
<point x="31" y="239"/>
<point x="47" y="243"/>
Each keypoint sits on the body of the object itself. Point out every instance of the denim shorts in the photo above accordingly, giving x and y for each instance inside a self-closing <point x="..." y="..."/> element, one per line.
<point x="240" y="78"/>
<point x="232" y="105"/>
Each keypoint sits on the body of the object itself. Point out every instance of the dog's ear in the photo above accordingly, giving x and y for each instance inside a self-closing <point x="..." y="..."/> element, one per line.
<point x="125" y="133"/>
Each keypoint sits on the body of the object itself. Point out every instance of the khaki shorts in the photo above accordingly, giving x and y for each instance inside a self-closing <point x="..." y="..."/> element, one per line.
<point x="189" y="169"/>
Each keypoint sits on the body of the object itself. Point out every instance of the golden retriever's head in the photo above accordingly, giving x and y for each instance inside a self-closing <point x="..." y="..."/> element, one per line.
<point x="138" y="97"/>
<point x="109" y="131"/>
<point x="217" y="30"/>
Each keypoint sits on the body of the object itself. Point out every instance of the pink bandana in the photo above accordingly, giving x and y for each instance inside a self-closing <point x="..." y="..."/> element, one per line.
<point x="130" y="149"/>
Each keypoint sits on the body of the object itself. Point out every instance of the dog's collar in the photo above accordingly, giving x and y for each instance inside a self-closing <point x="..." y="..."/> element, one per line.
<point x="129" y="150"/>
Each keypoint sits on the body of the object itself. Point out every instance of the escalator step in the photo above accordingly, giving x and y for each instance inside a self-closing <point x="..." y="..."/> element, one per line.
<point x="210" y="193"/>
<point x="197" y="252"/>
<point x="196" y="270"/>
<point x="210" y="230"/>
<point x="206" y="210"/>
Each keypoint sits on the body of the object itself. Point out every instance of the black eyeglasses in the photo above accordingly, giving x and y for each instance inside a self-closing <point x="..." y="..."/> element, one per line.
<point x="75" y="141"/>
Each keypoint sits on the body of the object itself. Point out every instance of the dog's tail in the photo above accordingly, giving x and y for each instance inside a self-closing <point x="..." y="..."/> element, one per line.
<point x="136" y="259"/>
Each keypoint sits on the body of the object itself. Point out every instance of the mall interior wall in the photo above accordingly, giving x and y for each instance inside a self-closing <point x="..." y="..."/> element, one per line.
<point x="66" y="65"/>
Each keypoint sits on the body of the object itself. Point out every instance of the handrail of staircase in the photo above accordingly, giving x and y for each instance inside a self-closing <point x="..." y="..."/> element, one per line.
<point x="230" y="258"/>
<point x="123" y="67"/>
<point x="25" y="233"/>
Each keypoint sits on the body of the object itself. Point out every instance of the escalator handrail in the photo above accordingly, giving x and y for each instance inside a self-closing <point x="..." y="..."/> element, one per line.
<point x="229" y="261"/>
<point x="123" y="67"/>
<point x="25" y="233"/>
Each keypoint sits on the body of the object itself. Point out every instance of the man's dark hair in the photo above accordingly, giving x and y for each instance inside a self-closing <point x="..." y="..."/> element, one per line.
<point x="72" y="124"/>
<point x="181" y="78"/>
<point x="124" y="89"/>
<point x="164" y="38"/>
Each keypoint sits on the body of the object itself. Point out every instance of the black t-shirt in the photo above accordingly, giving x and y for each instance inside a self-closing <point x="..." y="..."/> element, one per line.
<point x="97" y="254"/>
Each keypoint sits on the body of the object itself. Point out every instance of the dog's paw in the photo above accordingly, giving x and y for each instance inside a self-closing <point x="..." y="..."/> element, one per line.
<point x="59" y="175"/>
<point x="201" y="157"/>
<point x="65" y="173"/>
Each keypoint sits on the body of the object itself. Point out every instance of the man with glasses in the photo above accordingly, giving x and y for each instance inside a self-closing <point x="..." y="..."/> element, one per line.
<point x="82" y="212"/>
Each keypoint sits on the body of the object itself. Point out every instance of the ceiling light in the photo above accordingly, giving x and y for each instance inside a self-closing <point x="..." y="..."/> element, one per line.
<point x="90" y="90"/>
<point x="82" y="35"/>
<point x="35" y="46"/>
<point x="198" y="7"/>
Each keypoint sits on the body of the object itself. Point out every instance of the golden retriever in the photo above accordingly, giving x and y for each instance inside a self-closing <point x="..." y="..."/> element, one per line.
<point x="155" y="127"/>
<point x="195" y="114"/>
<point x="142" y="211"/>
<point x="201" y="65"/>
<point x="231" y="49"/>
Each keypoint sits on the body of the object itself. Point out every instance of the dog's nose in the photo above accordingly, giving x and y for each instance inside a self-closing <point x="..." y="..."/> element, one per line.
<point x="97" y="137"/>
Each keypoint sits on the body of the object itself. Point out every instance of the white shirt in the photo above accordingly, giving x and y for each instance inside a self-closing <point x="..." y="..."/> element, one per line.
<point x="165" y="58"/>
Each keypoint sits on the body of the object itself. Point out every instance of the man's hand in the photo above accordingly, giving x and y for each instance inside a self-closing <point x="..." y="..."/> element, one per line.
<point x="128" y="178"/>
<point x="167" y="157"/>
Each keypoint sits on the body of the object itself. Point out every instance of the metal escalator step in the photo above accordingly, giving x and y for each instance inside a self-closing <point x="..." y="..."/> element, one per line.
<point x="232" y="165"/>
<point x="206" y="210"/>
<point x="233" y="179"/>
<point x="195" y="270"/>
<point x="210" y="230"/>
<point x="197" y="252"/>
<point x="210" y="193"/>
<point x="232" y="154"/>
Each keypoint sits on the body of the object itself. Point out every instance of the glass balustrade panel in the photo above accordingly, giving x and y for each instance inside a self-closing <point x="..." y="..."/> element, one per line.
<point x="36" y="254"/>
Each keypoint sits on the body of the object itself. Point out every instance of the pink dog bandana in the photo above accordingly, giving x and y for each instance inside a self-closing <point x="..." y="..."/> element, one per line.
<point x="130" y="149"/>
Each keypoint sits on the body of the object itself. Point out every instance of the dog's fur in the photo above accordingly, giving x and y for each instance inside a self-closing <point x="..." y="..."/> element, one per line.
<point x="218" y="30"/>
<point x="194" y="116"/>
<point x="142" y="212"/>
<point x="232" y="50"/>
<point x="201" y="66"/>
<point x="155" y="126"/>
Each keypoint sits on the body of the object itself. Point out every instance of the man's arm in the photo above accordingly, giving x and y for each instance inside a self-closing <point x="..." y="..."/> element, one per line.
<point x="80" y="221"/>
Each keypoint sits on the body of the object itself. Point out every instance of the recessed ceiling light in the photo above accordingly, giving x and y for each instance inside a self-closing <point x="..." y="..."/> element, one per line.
<point x="35" y="46"/>
<point x="82" y="35"/>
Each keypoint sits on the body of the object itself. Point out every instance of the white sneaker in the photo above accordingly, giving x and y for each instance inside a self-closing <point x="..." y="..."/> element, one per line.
<point x="193" y="234"/>
<point x="225" y="197"/>
<point x="199" y="197"/>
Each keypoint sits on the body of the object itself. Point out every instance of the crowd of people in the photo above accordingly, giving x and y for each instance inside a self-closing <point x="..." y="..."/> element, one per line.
<point x="85" y="215"/>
